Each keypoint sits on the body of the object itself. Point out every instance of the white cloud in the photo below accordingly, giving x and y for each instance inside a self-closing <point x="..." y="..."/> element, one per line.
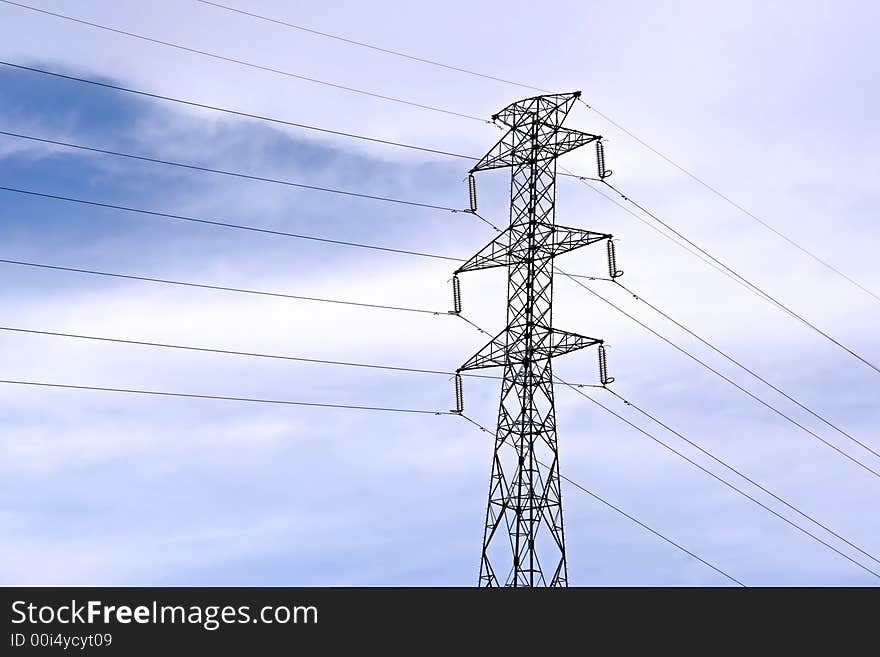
<point x="216" y="488"/>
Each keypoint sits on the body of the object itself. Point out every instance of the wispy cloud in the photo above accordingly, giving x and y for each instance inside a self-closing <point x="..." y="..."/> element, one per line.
<point x="115" y="489"/>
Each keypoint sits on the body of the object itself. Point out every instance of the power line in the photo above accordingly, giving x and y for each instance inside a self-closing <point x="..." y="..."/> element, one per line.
<point x="653" y="531"/>
<point x="645" y="326"/>
<point x="318" y="405"/>
<point x="282" y="402"/>
<point x="239" y="113"/>
<point x="725" y="482"/>
<point x="328" y="405"/>
<point x="252" y="400"/>
<point x="348" y="407"/>
<point x="338" y="406"/>
<point x="709" y="472"/>
<point x="241" y="62"/>
<point x="257" y="229"/>
<point x="719" y="374"/>
<point x="486" y="221"/>
<point x="388" y="51"/>
<point x="761" y="292"/>
<point x="628" y="516"/>
<point x="710" y="260"/>
<point x="638" y="297"/>
<point x="239" y="399"/>
<point x="810" y="518"/>
<point x="736" y="205"/>
<point x="222" y="288"/>
<point x="325" y="300"/>
<point x="729" y="380"/>
<point x="741" y="474"/>
<point x="225" y="110"/>
<point x="660" y="232"/>
<point x="586" y="181"/>
<point x="223" y="224"/>
<point x="435" y="109"/>
<point x="716" y="264"/>
<point x="251" y="354"/>
<point x="725" y="378"/>
<point x="339" y="241"/>
<point x="607" y="118"/>
<point x="223" y="172"/>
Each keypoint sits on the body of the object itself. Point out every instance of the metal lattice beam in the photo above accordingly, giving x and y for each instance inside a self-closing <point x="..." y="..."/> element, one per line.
<point x="524" y="538"/>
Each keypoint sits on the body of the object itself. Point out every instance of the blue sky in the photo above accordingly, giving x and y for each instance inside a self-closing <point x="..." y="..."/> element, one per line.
<point x="112" y="489"/>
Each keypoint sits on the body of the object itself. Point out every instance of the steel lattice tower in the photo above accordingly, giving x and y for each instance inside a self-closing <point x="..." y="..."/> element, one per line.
<point x="524" y="540"/>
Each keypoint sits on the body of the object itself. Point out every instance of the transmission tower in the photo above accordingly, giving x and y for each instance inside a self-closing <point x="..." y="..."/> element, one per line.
<point x="524" y="540"/>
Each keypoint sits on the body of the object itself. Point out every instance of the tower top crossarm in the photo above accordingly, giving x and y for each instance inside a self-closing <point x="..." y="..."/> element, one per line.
<point x="534" y="131"/>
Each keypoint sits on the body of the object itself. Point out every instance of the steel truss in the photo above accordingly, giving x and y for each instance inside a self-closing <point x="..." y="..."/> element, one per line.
<point x="524" y="539"/>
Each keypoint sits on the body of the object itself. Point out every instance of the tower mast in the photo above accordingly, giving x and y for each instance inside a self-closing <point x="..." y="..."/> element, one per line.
<point x="523" y="538"/>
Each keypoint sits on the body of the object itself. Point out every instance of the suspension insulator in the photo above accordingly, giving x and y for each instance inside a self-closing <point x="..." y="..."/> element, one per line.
<point x="613" y="271"/>
<point x="459" y="395"/>
<point x="456" y="295"/>
<point x="472" y="191"/>
<point x="600" y="160"/>
<point x="604" y="379"/>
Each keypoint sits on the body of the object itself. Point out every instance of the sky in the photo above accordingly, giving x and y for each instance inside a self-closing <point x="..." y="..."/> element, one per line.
<point x="774" y="107"/>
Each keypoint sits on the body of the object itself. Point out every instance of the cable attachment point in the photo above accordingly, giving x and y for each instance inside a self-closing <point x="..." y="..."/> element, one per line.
<point x="613" y="271"/>
<point x="604" y="379"/>
<point x="456" y="295"/>
<point x="472" y="191"/>
<point x="600" y="160"/>
<point x="459" y="395"/>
